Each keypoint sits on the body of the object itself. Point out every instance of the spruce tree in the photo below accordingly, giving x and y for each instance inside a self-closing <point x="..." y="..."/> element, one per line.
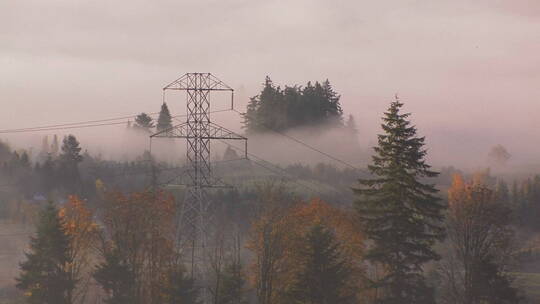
<point x="179" y="288"/>
<point x="400" y="214"/>
<point x="44" y="277"/>
<point x="55" y="147"/>
<point x="231" y="290"/>
<point x="69" y="164"/>
<point x="323" y="274"/>
<point x="116" y="278"/>
<point x="5" y="152"/>
<point x="164" y="119"/>
<point x="350" y="125"/>
<point x="333" y="108"/>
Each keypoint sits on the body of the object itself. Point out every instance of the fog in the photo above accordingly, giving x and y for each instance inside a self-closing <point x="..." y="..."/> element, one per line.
<point x="467" y="71"/>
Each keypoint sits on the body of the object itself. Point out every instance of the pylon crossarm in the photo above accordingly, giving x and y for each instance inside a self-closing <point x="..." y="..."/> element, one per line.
<point x="214" y="131"/>
<point x="199" y="81"/>
<point x="174" y="131"/>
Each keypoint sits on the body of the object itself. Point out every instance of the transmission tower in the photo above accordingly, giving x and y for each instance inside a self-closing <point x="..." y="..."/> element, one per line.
<point x="194" y="223"/>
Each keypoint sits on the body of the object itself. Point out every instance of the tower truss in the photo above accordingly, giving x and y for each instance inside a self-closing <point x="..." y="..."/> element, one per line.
<point x="194" y="223"/>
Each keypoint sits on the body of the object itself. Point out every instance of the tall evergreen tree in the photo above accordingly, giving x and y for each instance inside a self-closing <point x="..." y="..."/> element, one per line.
<point x="116" y="278"/>
<point x="69" y="164"/>
<point x="45" y="149"/>
<point x="351" y="125"/>
<point x="5" y="152"/>
<point x="47" y="174"/>
<point x="231" y="290"/>
<point x="323" y="274"/>
<point x="55" y="146"/>
<point x="400" y="214"/>
<point x="179" y="288"/>
<point x="333" y="109"/>
<point x="44" y="275"/>
<point x="164" y="119"/>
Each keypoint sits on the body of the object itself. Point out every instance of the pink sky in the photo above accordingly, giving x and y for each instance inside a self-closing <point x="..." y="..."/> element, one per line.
<point x="468" y="70"/>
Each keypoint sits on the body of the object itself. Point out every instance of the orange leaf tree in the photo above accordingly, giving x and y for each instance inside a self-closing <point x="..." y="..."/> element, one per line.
<point x="78" y="224"/>
<point x="278" y="235"/>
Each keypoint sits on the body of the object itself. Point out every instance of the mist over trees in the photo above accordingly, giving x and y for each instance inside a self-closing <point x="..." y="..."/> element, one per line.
<point x="293" y="106"/>
<point x="398" y="231"/>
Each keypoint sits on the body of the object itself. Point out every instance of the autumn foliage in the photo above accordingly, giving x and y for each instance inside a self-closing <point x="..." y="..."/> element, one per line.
<point x="277" y="236"/>
<point x="139" y="230"/>
<point x="78" y="224"/>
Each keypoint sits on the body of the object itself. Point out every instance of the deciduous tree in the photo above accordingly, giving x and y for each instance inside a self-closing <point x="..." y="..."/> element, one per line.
<point x="479" y="247"/>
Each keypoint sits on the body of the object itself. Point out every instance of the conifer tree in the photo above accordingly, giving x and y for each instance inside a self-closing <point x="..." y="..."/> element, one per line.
<point x="323" y="274"/>
<point x="47" y="174"/>
<point x="232" y="285"/>
<point x="399" y="213"/>
<point x="54" y="146"/>
<point x="281" y="109"/>
<point x="164" y="119"/>
<point x="333" y="109"/>
<point x="71" y="150"/>
<point x="45" y="145"/>
<point x="502" y="192"/>
<point x="44" y="275"/>
<point x="351" y="125"/>
<point x="179" y="288"/>
<point x="116" y="278"/>
<point x="69" y="164"/>
<point x="5" y="151"/>
<point x="144" y="121"/>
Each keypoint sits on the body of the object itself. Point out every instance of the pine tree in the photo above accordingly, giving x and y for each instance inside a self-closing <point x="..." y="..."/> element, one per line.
<point x="5" y="151"/>
<point x="180" y="289"/>
<point x="55" y="146"/>
<point x="232" y="285"/>
<point x="333" y="108"/>
<point x="69" y="164"/>
<point x="45" y="145"/>
<point x="323" y="274"/>
<point x="47" y="174"/>
<point x="502" y="192"/>
<point x="44" y="275"/>
<point x="351" y="126"/>
<point x="116" y="278"/>
<point x="71" y="152"/>
<point x="144" y="121"/>
<point x="164" y="119"/>
<point x="400" y="214"/>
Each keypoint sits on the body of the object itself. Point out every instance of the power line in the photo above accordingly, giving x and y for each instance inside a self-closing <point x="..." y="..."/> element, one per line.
<point x="305" y="144"/>
<point x="60" y="128"/>
<point x="77" y="123"/>
<point x="80" y="125"/>
<point x="273" y="170"/>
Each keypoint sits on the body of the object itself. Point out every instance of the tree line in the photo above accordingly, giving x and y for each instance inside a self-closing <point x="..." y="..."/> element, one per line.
<point x="399" y="242"/>
<point x="276" y="108"/>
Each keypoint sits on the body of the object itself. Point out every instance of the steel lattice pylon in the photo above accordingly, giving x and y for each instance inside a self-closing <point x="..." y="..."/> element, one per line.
<point x="193" y="221"/>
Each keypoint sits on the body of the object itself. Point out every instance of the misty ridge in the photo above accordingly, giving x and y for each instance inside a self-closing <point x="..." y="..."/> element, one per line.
<point x="110" y="196"/>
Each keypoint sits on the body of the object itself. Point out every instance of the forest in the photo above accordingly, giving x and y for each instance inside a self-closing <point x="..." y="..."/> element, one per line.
<point x="78" y="228"/>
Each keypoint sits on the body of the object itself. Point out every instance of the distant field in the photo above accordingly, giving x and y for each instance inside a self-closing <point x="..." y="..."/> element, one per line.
<point x="530" y="283"/>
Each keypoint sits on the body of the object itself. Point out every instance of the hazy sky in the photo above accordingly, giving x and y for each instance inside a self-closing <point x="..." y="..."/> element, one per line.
<point x="468" y="70"/>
